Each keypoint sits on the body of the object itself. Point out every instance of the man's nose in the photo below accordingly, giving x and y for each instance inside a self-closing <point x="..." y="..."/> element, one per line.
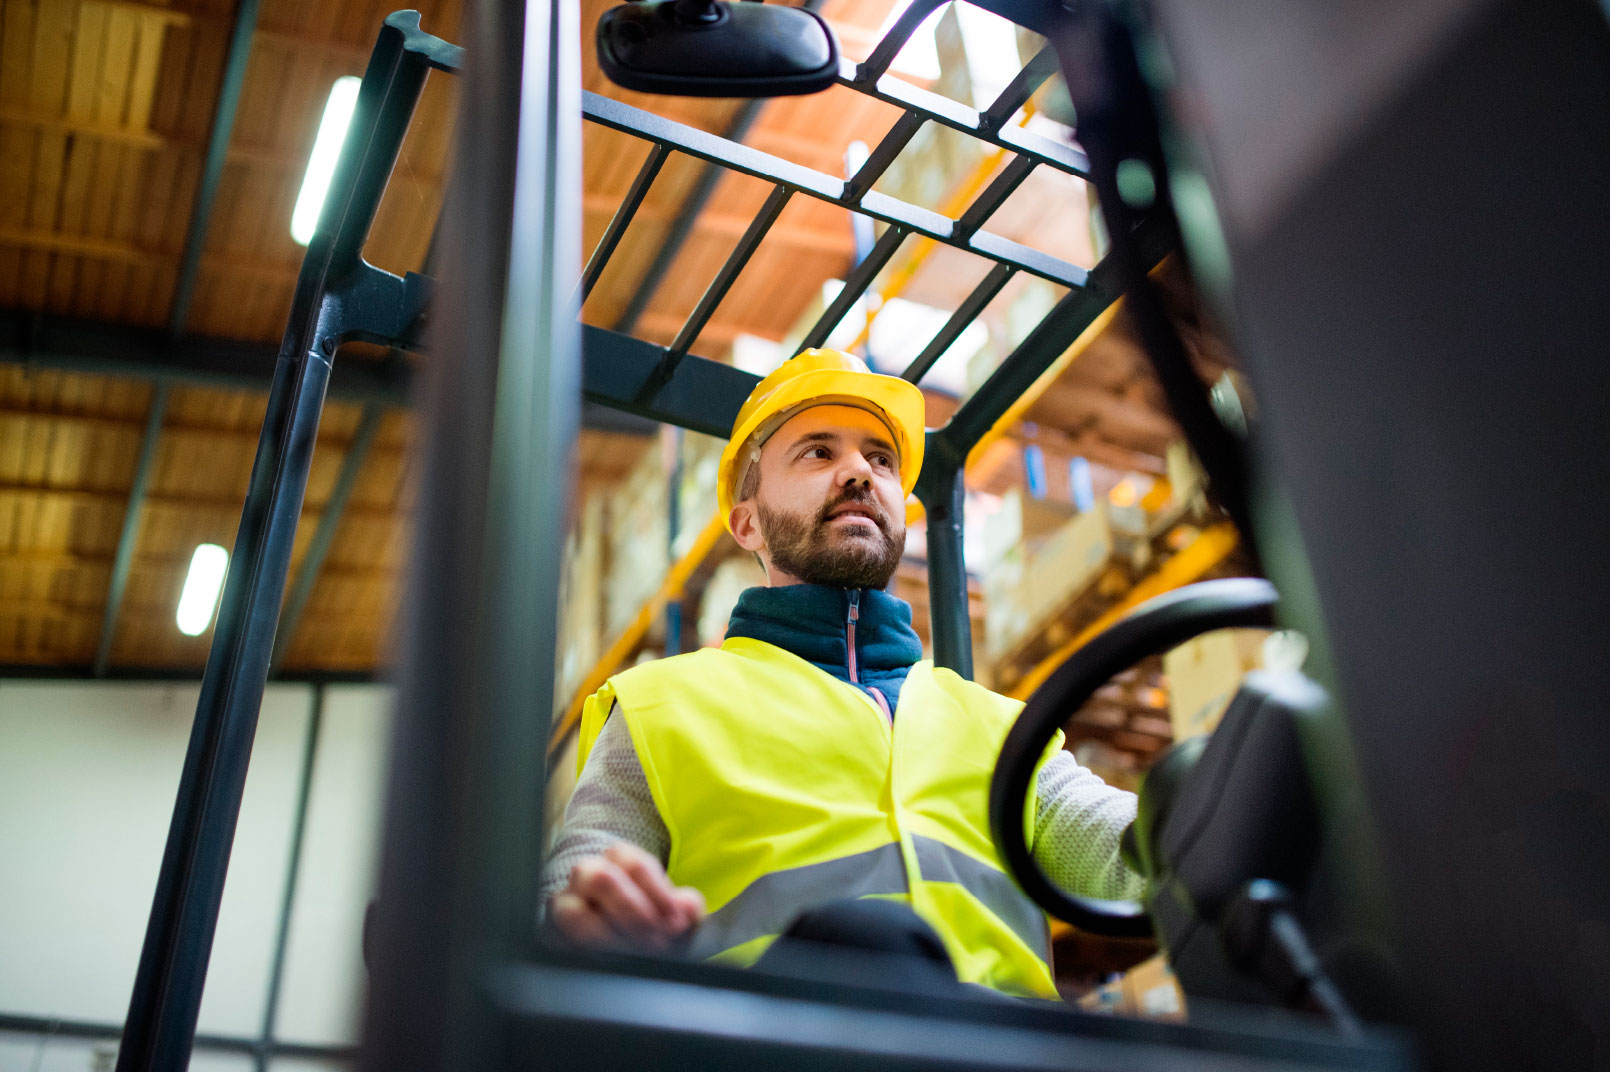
<point x="855" y="470"/>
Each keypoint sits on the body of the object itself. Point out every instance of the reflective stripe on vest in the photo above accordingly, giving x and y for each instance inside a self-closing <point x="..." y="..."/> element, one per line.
<point x="783" y="788"/>
<point x="769" y="904"/>
<point x="997" y="891"/>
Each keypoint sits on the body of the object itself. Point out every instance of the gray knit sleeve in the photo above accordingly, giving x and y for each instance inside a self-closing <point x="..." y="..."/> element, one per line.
<point x="1077" y="823"/>
<point x="611" y="803"/>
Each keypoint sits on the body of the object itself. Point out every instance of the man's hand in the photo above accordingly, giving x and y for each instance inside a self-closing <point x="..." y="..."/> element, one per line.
<point x="624" y="897"/>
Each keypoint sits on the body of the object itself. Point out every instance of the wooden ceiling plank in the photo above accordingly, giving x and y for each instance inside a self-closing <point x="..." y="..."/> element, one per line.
<point x="360" y="22"/>
<point x="16" y="51"/>
<point x="101" y="198"/>
<point x="62" y="283"/>
<point x="79" y="164"/>
<point x="89" y="38"/>
<point x="153" y="188"/>
<point x="35" y="279"/>
<point x="136" y="114"/>
<point x="16" y="174"/>
<point x="10" y="274"/>
<point x="53" y="34"/>
<point x="125" y="198"/>
<point x="117" y="65"/>
<point x="202" y="74"/>
<point x="167" y="98"/>
<point x="319" y="24"/>
<point x="176" y="207"/>
<point x="91" y="277"/>
<point x="49" y="164"/>
<point x="113" y="284"/>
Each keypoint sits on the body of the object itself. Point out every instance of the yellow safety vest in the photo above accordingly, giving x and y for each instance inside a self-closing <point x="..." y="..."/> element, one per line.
<point x="784" y="787"/>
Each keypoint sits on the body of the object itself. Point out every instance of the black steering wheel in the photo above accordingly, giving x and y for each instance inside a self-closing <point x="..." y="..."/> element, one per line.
<point x="1151" y="629"/>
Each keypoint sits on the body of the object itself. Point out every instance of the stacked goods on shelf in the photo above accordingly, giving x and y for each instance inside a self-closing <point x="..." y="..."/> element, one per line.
<point x="1032" y="299"/>
<point x="1038" y="556"/>
<point x="696" y="491"/>
<point x="1046" y="581"/>
<point x="580" y="606"/>
<point x="1204" y="673"/>
<point x="926" y="171"/>
<point x="638" y="536"/>
<point x="721" y="593"/>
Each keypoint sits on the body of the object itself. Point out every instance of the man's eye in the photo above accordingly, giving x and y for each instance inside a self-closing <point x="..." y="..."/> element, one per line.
<point x="816" y="452"/>
<point x="883" y="460"/>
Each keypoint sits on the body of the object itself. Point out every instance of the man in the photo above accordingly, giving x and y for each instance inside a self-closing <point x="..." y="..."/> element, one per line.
<point x="814" y="759"/>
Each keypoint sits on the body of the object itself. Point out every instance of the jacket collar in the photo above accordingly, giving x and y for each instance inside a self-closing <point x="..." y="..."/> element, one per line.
<point x="809" y="620"/>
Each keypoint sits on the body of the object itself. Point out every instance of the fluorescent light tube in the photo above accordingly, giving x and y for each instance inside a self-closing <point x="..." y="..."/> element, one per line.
<point x="326" y="150"/>
<point x="201" y="587"/>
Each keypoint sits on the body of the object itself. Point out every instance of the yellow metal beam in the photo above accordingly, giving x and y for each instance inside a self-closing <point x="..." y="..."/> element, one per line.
<point x="1210" y="548"/>
<point x="625" y="644"/>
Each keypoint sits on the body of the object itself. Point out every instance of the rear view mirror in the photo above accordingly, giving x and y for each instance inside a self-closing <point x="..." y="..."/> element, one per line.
<point x="712" y="48"/>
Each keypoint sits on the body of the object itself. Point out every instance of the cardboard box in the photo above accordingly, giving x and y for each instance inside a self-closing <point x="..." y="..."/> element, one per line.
<point x="580" y="599"/>
<point x="1032" y="582"/>
<point x="1020" y="523"/>
<point x="696" y="491"/>
<point x="638" y="546"/>
<point x="1149" y="990"/>
<point x="1204" y="673"/>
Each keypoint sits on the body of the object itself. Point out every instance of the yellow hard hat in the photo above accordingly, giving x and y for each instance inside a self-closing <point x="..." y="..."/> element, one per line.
<point x="821" y="378"/>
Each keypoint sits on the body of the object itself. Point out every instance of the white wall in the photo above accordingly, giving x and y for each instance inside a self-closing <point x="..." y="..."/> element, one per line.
<point x="321" y="999"/>
<point x="88" y="773"/>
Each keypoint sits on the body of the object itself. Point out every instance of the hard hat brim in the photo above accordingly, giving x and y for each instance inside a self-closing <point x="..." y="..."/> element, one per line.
<point x="898" y="402"/>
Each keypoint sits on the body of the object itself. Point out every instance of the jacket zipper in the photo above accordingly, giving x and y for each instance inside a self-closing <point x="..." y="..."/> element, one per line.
<point x="849" y="639"/>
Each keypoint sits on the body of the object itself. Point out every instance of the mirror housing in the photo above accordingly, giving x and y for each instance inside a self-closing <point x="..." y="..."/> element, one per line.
<point x="713" y="48"/>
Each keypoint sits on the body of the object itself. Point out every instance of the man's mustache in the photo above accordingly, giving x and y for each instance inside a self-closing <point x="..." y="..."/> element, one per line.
<point x="861" y="496"/>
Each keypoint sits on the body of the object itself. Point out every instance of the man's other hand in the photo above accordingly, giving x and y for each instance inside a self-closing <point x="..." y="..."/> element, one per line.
<point x="624" y="897"/>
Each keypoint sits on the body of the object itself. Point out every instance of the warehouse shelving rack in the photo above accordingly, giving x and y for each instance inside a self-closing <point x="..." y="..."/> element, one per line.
<point x="461" y="980"/>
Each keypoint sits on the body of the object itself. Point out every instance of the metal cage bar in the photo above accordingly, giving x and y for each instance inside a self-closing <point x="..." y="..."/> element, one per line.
<point x="854" y="287"/>
<point x="965" y="314"/>
<point x="960" y="117"/>
<point x="1022" y="86"/>
<point x="728" y="274"/>
<point x="749" y="161"/>
<point x="622" y="219"/>
<point x="878" y="161"/>
<point x="895" y="39"/>
<point x="994" y="196"/>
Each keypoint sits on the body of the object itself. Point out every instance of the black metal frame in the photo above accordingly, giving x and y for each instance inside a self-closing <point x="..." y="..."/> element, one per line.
<point x="460" y="978"/>
<point x="338" y="297"/>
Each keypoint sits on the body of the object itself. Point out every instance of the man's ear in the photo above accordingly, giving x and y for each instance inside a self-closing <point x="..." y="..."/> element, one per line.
<point x="745" y="526"/>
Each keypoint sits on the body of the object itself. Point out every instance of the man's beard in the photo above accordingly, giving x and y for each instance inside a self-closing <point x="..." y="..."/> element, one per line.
<point x="807" y="547"/>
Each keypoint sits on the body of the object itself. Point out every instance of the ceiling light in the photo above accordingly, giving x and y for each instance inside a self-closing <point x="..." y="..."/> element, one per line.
<point x="201" y="587"/>
<point x="326" y="150"/>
